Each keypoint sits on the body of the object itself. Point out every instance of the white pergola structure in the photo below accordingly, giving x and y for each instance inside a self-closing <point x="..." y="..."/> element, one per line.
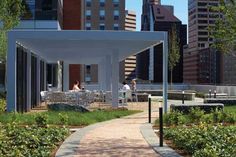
<point x="105" y="48"/>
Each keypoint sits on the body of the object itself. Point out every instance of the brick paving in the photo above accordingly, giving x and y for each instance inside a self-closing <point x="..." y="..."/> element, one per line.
<point x="121" y="137"/>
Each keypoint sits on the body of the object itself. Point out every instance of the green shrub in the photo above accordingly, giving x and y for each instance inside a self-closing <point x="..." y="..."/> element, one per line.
<point x="63" y="118"/>
<point x="173" y="118"/>
<point x="207" y="118"/>
<point x="200" y="95"/>
<point x="195" y="115"/>
<point x="41" y="120"/>
<point x="29" y="141"/>
<point x="2" y="95"/>
<point x="204" y="140"/>
<point x="2" y="105"/>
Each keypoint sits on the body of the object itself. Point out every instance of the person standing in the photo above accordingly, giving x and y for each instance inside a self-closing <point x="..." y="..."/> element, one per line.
<point x="133" y="85"/>
<point x="125" y="86"/>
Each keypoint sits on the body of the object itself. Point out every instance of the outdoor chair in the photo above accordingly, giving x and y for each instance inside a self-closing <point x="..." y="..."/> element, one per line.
<point x="108" y="97"/>
<point x="56" y="97"/>
<point x="72" y="97"/>
<point x="124" y="96"/>
<point x="43" y="95"/>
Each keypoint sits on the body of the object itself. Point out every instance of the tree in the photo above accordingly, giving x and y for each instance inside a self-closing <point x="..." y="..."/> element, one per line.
<point x="174" y="51"/>
<point x="10" y="12"/>
<point x="224" y="30"/>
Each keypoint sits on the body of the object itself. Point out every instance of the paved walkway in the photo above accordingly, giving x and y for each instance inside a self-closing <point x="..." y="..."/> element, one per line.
<point x="129" y="136"/>
<point x="121" y="137"/>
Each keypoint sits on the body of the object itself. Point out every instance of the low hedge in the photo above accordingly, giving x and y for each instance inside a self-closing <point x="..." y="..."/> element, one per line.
<point x="197" y="116"/>
<point x="35" y="141"/>
<point x="204" y="140"/>
<point x="2" y="105"/>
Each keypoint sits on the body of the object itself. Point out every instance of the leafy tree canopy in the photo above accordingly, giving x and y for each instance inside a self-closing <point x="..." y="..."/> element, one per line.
<point x="174" y="49"/>
<point x="224" y="31"/>
<point x="10" y="12"/>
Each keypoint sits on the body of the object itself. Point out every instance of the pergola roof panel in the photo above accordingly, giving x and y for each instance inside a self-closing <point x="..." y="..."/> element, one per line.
<point x="74" y="46"/>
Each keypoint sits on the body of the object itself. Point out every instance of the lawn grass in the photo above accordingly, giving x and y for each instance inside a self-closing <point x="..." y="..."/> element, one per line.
<point x="231" y="109"/>
<point x="73" y="118"/>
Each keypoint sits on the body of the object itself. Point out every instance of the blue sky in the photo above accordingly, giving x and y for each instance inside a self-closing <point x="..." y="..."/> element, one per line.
<point x="180" y="7"/>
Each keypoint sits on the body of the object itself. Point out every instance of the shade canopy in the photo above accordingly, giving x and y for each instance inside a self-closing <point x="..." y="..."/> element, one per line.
<point x="86" y="46"/>
<point x="105" y="48"/>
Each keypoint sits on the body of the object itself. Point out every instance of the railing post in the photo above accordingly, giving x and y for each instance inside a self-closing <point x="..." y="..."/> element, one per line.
<point x="210" y="93"/>
<point x="215" y="94"/>
<point x="149" y="108"/>
<point x="161" y="125"/>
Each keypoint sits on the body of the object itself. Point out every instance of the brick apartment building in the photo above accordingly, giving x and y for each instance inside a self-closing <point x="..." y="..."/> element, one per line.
<point x="101" y="15"/>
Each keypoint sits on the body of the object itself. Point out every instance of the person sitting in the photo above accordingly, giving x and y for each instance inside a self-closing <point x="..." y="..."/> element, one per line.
<point x="76" y="86"/>
<point x="125" y="86"/>
<point x="133" y="85"/>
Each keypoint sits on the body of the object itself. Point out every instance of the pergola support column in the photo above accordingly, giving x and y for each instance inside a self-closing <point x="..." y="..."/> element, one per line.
<point x="108" y="72"/>
<point x="115" y="78"/>
<point x="102" y="75"/>
<point x="28" y="80"/>
<point x="165" y="72"/>
<point x="11" y="74"/>
<point x="65" y="76"/>
<point x="38" y="81"/>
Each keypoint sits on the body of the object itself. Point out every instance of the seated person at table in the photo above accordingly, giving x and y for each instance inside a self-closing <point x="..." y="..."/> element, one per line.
<point x="125" y="86"/>
<point x="76" y="86"/>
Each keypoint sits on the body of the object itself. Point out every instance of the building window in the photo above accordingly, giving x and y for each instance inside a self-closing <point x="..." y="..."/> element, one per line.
<point x="47" y="5"/>
<point x="102" y="26"/>
<point x="102" y="14"/>
<point x="116" y="3"/>
<point x="102" y="3"/>
<point x="88" y="73"/>
<point x="88" y="3"/>
<point x="116" y="14"/>
<point x="88" y="14"/>
<point x="88" y="26"/>
<point x="116" y="26"/>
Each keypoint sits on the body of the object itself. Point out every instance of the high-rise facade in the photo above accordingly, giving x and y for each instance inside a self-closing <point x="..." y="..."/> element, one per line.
<point x="72" y="20"/>
<point x="128" y="66"/>
<point x="149" y="63"/>
<point x="201" y="63"/>
<point x="104" y="14"/>
<point x="41" y="14"/>
<point x="101" y="15"/>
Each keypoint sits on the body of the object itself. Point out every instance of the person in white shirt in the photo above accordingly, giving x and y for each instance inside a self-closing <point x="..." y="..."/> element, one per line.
<point x="125" y="86"/>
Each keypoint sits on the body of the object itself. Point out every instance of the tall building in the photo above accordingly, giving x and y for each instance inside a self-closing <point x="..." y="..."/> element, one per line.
<point x="128" y="66"/>
<point x="201" y="63"/>
<point x="101" y="15"/>
<point x="228" y="74"/>
<point x="149" y="63"/>
<point x="42" y="14"/>
<point x="72" y="20"/>
<point x="104" y="14"/>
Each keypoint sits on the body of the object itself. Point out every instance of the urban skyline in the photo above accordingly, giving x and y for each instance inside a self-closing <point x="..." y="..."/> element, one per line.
<point x="180" y="9"/>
